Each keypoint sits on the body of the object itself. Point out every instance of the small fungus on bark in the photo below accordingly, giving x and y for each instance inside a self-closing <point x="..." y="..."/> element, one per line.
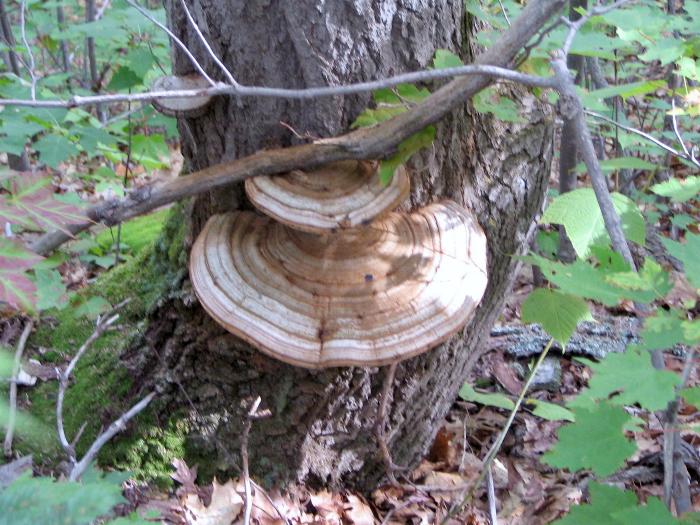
<point x="306" y="298"/>
<point x="337" y="196"/>
<point x="184" y="106"/>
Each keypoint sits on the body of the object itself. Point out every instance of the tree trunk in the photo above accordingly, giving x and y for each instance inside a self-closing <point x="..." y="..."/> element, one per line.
<point x="321" y="423"/>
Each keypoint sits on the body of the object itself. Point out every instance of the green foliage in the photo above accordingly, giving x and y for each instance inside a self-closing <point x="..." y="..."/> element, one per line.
<point x="548" y="411"/>
<point x="580" y="215"/>
<point x="30" y="501"/>
<point x="604" y="501"/>
<point x="678" y="190"/>
<point x="595" y="441"/>
<point x="688" y="254"/>
<point x="633" y="379"/>
<point x="558" y="313"/>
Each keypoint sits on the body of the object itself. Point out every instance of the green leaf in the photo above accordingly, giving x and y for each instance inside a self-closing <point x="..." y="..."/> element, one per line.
<point x="444" y="59"/>
<point x="406" y="149"/>
<point x="92" y="307"/>
<point x="595" y="441"/>
<point x="662" y="331"/>
<point x="688" y="254"/>
<point x="551" y="411"/>
<point x="665" y="50"/>
<point x="683" y="220"/>
<point x="626" y="163"/>
<point x="635" y="378"/>
<point x="51" y="291"/>
<point x="653" y="513"/>
<point x="29" y="501"/>
<point x="468" y="393"/>
<point x="548" y="243"/>
<point x="54" y="149"/>
<point x="650" y="278"/>
<point x="627" y="90"/>
<point x="558" y="313"/>
<point x="692" y="396"/>
<point x="580" y="215"/>
<point x="604" y="500"/>
<point x="678" y="190"/>
<point x="490" y="101"/>
<point x="124" y="78"/>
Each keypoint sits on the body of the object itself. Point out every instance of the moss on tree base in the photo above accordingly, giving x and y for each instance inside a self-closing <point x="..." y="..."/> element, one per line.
<point x="102" y="387"/>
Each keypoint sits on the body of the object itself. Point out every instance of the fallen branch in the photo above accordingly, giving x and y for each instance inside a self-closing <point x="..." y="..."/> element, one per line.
<point x="368" y="143"/>
<point x="9" y="435"/>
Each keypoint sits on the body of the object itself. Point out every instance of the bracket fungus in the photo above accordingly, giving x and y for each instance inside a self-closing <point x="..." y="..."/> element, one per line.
<point x="183" y="106"/>
<point x="337" y="196"/>
<point x="367" y="296"/>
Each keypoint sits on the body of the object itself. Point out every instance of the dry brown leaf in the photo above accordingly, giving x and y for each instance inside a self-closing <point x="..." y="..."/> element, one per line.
<point x="357" y="512"/>
<point x="225" y="507"/>
<point x="185" y="476"/>
<point x="442" y="449"/>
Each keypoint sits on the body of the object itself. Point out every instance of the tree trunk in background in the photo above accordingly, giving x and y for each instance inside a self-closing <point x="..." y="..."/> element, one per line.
<point x="321" y="423"/>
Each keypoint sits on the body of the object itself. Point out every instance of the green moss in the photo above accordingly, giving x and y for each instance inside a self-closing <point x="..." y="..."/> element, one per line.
<point x="137" y="234"/>
<point x="100" y="387"/>
<point x="149" y="451"/>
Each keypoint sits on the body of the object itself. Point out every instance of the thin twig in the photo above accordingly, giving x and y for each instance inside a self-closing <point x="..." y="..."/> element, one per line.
<point x="505" y="14"/>
<point x="102" y="324"/>
<point x="491" y="496"/>
<point x="9" y="435"/>
<point x="674" y="119"/>
<point x="177" y="41"/>
<point x="206" y="45"/>
<point x="23" y="31"/>
<point x="380" y="424"/>
<point x="301" y="93"/>
<point x="113" y="429"/>
<point x="490" y="456"/>
<point x="244" y="460"/>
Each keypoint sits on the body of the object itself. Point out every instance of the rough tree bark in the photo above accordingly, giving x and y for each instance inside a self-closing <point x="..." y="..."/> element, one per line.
<point x="321" y="423"/>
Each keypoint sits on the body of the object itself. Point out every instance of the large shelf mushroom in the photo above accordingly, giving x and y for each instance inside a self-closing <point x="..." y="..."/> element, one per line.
<point x="367" y="295"/>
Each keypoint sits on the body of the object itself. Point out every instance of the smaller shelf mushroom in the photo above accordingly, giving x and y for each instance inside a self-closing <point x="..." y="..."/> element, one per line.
<point x="372" y="296"/>
<point x="183" y="106"/>
<point x="337" y="196"/>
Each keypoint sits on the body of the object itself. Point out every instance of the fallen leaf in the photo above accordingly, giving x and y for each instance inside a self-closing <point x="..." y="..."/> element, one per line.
<point x="357" y="512"/>
<point x="226" y="505"/>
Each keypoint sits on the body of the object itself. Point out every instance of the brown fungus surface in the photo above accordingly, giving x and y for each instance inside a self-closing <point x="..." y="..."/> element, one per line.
<point x="337" y="196"/>
<point x="372" y="296"/>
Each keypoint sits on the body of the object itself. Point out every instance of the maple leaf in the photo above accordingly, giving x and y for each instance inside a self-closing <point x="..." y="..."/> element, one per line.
<point x="16" y="289"/>
<point x="31" y="203"/>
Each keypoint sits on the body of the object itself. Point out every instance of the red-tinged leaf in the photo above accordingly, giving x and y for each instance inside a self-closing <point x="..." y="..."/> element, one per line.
<point x="31" y="203"/>
<point x="16" y="289"/>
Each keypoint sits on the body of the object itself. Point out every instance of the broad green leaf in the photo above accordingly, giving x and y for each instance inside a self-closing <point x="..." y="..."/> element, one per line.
<point x="692" y="396"/>
<point x="683" y="220"/>
<point x="604" y="500"/>
<point x="662" y="331"/>
<point x="691" y="332"/>
<point x="635" y="378"/>
<point x="678" y="190"/>
<point x="149" y="150"/>
<point x="444" y="59"/>
<point x="558" y="313"/>
<point x="16" y="289"/>
<point x="595" y="441"/>
<point x="92" y="307"/>
<point x="627" y="90"/>
<point x="665" y="50"/>
<point x="490" y="101"/>
<point x="654" y="512"/>
<point x="551" y="411"/>
<point x="687" y="253"/>
<point x="33" y="205"/>
<point x="626" y="163"/>
<point x="548" y="243"/>
<point x="407" y="148"/>
<point x="468" y="393"/>
<point x="583" y="280"/>
<point x="580" y="215"/>
<point x="50" y="290"/>
<point x="54" y="149"/>
<point x="30" y="501"/>
<point x="650" y="278"/>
